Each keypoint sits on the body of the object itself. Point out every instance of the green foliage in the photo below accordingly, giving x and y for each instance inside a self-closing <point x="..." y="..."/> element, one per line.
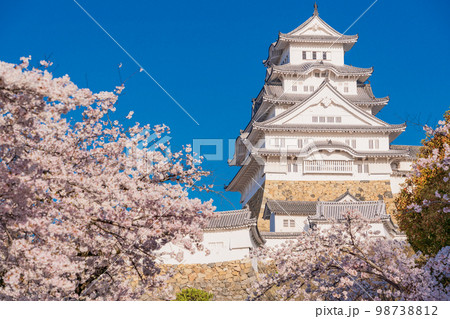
<point x="192" y="294"/>
<point x="427" y="229"/>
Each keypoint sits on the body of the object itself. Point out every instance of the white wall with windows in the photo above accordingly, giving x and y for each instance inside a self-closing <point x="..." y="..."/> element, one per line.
<point x="307" y="84"/>
<point x="289" y="223"/>
<point x="333" y="54"/>
<point x="294" y="141"/>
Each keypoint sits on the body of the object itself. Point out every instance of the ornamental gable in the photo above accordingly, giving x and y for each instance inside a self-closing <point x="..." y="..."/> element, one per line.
<point x="326" y="107"/>
<point x="315" y="27"/>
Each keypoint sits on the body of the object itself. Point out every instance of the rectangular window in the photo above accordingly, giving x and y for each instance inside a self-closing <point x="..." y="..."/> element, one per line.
<point x="292" y="168"/>
<point x="317" y="74"/>
<point x="366" y="168"/>
<point x="311" y="88"/>
<point x="377" y="144"/>
<point x="292" y="223"/>
<point x="359" y="168"/>
<point x="354" y="143"/>
<point x="370" y="144"/>
<point x="338" y="119"/>
<point x="324" y="55"/>
<point x="345" y="89"/>
<point x="304" y="55"/>
<point x="314" y="55"/>
<point x="330" y="119"/>
<point x="285" y="222"/>
<point x="294" y="88"/>
<point x="276" y="142"/>
<point x="322" y="119"/>
<point x="347" y="142"/>
<point x="315" y="119"/>
<point x="305" y="88"/>
<point x="279" y="142"/>
<point x="300" y="143"/>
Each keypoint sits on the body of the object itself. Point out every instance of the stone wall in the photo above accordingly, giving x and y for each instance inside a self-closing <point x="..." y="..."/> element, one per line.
<point x="323" y="190"/>
<point x="225" y="280"/>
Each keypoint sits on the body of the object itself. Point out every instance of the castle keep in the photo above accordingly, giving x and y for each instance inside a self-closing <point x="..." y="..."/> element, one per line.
<point x="314" y="133"/>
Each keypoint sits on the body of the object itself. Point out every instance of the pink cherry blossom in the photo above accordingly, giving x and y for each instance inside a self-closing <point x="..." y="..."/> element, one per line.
<point x="83" y="209"/>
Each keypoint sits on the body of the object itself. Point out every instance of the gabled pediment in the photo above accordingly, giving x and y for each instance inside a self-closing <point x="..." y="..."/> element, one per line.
<point x="326" y="107"/>
<point x="315" y="26"/>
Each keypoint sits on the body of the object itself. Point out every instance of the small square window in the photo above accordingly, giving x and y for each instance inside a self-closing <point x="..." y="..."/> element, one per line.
<point x="322" y="119"/>
<point x="315" y="119"/>
<point x="285" y="222"/>
<point x="338" y="119"/>
<point x="292" y="223"/>
<point x="330" y="119"/>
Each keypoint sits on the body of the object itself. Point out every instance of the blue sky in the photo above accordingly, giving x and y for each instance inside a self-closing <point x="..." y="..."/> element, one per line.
<point x="208" y="54"/>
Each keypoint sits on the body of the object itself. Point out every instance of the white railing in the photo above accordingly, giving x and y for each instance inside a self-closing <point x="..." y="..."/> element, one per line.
<point x="328" y="166"/>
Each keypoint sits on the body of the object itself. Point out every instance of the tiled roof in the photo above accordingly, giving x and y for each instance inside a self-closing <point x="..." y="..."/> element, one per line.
<point x="319" y="210"/>
<point x="336" y="211"/>
<point x="291" y="207"/>
<point x="347" y="193"/>
<point x="413" y="150"/>
<point x="231" y="219"/>
<point x="364" y="95"/>
<point x="305" y="68"/>
<point x="279" y="235"/>
<point x="330" y="128"/>
<point x="318" y="38"/>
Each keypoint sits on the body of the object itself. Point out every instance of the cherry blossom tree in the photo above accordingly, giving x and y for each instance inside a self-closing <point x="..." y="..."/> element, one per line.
<point x="348" y="262"/>
<point x="85" y="204"/>
<point x="424" y="204"/>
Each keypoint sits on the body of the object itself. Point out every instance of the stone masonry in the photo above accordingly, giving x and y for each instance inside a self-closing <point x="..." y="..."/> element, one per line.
<point x="319" y="190"/>
<point x="225" y="280"/>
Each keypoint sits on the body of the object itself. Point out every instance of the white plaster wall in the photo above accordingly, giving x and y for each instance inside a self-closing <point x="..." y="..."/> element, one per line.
<point x="362" y="140"/>
<point x="337" y="52"/>
<point x="396" y="184"/>
<point x="312" y="80"/>
<point x="301" y="223"/>
<point x="223" y="245"/>
<point x="253" y="186"/>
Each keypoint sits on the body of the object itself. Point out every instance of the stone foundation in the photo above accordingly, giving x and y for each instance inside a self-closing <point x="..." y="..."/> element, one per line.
<point x="320" y="190"/>
<point x="225" y="280"/>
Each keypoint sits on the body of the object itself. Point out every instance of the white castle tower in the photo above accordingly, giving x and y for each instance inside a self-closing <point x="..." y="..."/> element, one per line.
<point x="314" y="135"/>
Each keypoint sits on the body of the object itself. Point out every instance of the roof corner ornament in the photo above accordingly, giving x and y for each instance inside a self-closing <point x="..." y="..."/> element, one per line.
<point x="316" y="12"/>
